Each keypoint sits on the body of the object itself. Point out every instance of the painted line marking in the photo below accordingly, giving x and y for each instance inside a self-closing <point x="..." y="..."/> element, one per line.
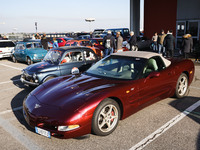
<point x="8" y="111"/>
<point x="165" y="127"/>
<point x="8" y="89"/>
<point x="18" y="135"/>
<point x="11" y="67"/>
<point x="9" y="81"/>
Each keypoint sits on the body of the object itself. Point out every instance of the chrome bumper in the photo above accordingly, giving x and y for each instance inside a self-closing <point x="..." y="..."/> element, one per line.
<point x="28" y="83"/>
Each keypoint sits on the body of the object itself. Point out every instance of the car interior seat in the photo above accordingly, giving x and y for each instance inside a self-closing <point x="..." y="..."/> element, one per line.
<point x="151" y="66"/>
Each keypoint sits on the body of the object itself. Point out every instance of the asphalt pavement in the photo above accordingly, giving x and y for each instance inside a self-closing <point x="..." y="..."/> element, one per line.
<point x="170" y="124"/>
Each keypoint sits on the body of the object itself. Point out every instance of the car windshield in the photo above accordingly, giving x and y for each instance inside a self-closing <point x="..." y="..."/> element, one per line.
<point x="117" y="67"/>
<point x="53" y="56"/>
<point x="7" y="44"/>
<point x="33" y="45"/>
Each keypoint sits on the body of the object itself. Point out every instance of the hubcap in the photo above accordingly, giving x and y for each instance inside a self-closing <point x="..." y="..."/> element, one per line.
<point x="108" y="118"/>
<point x="182" y="86"/>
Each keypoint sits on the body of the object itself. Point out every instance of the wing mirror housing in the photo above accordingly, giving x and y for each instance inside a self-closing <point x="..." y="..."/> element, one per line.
<point x="75" y="71"/>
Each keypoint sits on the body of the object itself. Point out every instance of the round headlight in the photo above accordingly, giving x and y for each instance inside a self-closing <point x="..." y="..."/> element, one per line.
<point x="35" y="55"/>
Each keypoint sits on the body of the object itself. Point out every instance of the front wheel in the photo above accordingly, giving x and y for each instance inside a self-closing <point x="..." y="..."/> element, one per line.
<point x="182" y="86"/>
<point x="29" y="61"/>
<point x="106" y="117"/>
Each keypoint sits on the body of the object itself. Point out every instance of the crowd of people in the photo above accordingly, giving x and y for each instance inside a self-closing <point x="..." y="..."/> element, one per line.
<point x="164" y="44"/>
<point x="161" y="43"/>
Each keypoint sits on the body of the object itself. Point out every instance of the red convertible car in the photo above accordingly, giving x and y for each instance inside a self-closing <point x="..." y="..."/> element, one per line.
<point x="112" y="89"/>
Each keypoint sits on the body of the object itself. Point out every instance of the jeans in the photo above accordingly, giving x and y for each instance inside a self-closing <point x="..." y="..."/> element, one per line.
<point x="108" y="51"/>
<point x="161" y="49"/>
<point x="155" y="47"/>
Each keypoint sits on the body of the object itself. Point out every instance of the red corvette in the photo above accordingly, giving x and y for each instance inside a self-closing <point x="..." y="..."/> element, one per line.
<point x="112" y="89"/>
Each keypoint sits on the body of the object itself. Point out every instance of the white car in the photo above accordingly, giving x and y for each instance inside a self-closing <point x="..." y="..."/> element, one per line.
<point x="6" y="48"/>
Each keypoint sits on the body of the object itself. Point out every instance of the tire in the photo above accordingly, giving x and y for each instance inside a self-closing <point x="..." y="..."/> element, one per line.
<point x="14" y="59"/>
<point x="106" y="117"/>
<point x="182" y="86"/>
<point x="29" y="61"/>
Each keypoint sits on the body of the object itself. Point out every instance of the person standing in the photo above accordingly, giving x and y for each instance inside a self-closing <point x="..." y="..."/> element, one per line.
<point x="161" y="37"/>
<point x="169" y="42"/>
<point x="187" y="45"/>
<point x="119" y="42"/>
<point x="109" y="44"/>
<point x="55" y="43"/>
<point x="132" y="42"/>
<point x="154" y="40"/>
<point x="44" y="41"/>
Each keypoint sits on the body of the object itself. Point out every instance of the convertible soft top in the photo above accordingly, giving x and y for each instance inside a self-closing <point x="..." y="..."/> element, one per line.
<point x="142" y="54"/>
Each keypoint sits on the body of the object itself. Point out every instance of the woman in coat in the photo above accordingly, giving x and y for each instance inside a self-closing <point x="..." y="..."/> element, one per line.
<point x="187" y="45"/>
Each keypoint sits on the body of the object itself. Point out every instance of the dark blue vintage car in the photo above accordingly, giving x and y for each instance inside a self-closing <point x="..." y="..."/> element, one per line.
<point x="29" y="52"/>
<point x="58" y="62"/>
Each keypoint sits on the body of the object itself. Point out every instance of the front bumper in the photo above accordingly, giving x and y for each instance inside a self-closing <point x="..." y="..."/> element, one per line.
<point x="28" y="82"/>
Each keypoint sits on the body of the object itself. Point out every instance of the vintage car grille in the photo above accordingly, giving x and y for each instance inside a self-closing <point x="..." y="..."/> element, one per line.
<point x="27" y="77"/>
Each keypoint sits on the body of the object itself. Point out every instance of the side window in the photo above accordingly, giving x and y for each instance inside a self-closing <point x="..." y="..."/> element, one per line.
<point x="153" y="64"/>
<point x="89" y="55"/>
<point x="72" y="57"/>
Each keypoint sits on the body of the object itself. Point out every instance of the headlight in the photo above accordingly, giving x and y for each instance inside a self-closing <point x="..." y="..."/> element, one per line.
<point x="68" y="128"/>
<point x="22" y="71"/>
<point x="35" y="55"/>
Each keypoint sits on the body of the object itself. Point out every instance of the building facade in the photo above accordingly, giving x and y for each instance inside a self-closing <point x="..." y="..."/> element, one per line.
<point x="180" y="16"/>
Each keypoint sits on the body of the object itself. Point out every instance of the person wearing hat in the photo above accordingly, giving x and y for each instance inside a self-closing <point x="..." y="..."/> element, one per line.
<point x="109" y="44"/>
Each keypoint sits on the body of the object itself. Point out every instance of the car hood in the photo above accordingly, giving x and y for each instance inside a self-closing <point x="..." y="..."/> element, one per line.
<point x="71" y="92"/>
<point x="41" y="67"/>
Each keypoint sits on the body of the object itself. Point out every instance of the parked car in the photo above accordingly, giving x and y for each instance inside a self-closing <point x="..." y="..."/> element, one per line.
<point x="124" y="32"/>
<point x="112" y="89"/>
<point x="28" y="51"/>
<point x="58" y="62"/>
<point x="6" y="48"/>
<point x="86" y="43"/>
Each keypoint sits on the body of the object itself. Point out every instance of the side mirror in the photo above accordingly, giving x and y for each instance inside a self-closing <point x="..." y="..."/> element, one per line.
<point x="75" y="71"/>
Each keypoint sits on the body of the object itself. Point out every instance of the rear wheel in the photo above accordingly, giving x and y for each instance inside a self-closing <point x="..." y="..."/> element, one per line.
<point x="182" y="86"/>
<point x="29" y="61"/>
<point x="106" y="117"/>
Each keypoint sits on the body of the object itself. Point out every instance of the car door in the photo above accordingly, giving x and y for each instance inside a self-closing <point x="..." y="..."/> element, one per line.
<point x="156" y="83"/>
<point x="23" y="52"/>
<point x="18" y="52"/>
<point x="70" y="60"/>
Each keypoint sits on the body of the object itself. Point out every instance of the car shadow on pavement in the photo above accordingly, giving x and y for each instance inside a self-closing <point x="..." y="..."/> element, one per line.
<point x="17" y="104"/>
<point x="184" y="103"/>
<point x="16" y="81"/>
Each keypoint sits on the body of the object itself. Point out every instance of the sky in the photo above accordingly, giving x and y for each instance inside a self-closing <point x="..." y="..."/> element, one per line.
<point x="62" y="15"/>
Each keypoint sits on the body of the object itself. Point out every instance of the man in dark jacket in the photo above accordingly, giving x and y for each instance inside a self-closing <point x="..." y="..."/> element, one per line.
<point x="44" y="41"/>
<point x="187" y="45"/>
<point x="109" y="44"/>
<point x="132" y="42"/>
<point x="169" y="42"/>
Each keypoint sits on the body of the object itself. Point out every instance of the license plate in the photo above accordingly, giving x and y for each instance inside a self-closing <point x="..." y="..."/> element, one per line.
<point x="43" y="132"/>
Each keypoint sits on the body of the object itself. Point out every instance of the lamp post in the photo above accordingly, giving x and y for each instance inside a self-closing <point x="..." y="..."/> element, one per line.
<point x="36" y="26"/>
<point x="90" y="20"/>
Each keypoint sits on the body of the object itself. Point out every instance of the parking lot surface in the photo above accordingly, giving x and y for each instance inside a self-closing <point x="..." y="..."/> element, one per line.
<point x="168" y="124"/>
